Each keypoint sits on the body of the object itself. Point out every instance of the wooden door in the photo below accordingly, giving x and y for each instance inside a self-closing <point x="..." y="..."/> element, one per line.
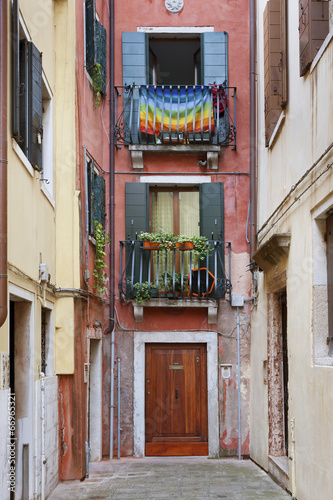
<point x="176" y="399"/>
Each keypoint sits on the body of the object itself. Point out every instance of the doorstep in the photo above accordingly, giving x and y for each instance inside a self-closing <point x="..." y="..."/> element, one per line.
<point x="278" y="467"/>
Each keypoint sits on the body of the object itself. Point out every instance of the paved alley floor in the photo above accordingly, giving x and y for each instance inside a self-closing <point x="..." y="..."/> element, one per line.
<point x="172" y="478"/>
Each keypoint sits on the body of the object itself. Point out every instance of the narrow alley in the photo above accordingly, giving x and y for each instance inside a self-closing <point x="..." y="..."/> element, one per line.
<point x="152" y="478"/>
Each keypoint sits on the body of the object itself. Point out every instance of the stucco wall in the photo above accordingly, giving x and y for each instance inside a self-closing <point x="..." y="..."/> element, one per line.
<point x="303" y="141"/>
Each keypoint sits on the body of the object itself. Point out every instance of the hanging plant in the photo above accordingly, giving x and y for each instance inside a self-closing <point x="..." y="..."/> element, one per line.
<point x="101" y="239"/>
<point x="97" y="81"/>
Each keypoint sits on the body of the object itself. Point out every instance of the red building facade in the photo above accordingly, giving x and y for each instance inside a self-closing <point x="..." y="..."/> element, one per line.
<point x="181" y="166"/>
<point x="81" y="393"/>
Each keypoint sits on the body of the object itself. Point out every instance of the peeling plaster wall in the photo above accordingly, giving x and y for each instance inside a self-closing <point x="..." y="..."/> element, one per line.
<point x="275" y="377"/>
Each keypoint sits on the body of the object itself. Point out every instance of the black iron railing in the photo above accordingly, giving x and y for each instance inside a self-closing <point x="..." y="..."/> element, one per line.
<point x="176" y="273"/>
<point x="155" y="115"/>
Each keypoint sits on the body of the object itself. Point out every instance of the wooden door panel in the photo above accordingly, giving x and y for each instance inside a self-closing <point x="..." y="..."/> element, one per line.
<point x="176" y="398"/>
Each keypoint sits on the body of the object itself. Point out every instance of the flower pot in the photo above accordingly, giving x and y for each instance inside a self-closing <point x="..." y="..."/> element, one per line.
<point x="188" y="245"/>
<point x="151" y="245"/>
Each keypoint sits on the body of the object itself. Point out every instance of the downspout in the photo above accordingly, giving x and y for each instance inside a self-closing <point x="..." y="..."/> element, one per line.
<point x="112" y="232"/>
<point x="253" y="134"/>
<point x="3" y="161"/>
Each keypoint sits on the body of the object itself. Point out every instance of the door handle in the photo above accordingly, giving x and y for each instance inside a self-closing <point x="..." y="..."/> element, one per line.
<point x="176" y="395"/>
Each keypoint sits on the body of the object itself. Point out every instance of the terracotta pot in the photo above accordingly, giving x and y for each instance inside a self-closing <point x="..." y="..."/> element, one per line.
<point x="150" y="245"/>
<point x="188" y="245"/>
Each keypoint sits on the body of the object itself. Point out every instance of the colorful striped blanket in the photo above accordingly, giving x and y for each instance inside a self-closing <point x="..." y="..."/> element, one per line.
<point x="183" y="105"/>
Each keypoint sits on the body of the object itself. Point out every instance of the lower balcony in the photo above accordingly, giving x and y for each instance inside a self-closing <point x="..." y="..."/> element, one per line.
<point x="175" y="277"/>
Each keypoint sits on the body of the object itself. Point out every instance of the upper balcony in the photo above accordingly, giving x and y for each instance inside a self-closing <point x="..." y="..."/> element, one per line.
<point x="176" y="119"/>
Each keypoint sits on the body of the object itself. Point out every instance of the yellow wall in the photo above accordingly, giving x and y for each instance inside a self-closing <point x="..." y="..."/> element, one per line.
<point x="46" y="228"/>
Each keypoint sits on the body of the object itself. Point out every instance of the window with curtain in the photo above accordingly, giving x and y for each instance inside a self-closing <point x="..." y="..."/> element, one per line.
<point x="175" y="210"/>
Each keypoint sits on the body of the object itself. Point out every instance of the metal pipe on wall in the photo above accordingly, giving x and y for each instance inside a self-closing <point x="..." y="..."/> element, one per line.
<point x="239" y="390"/>
<point x="253" y="132"/>
<point x="111" y="201"/>
<point x="119" y="428"/>
<point x="3" y="161"/>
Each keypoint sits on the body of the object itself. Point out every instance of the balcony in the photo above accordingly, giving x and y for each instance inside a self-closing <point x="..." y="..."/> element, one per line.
<point x="176" y="119"/>
<point x="175" y="277"/>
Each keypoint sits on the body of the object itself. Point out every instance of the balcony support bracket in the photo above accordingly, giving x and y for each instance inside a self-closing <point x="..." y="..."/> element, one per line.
<point x="212" y="153"/>
<point x="137" y="160"/>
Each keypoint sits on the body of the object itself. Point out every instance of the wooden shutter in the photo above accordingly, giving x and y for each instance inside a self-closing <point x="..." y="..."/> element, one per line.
<point x="135" y="70"/>
<point x="211" y="199"/>
<point x="15" y="71"/>
<point x="101" y="52"/>
<point x="35" y="106"/>
<point x="31" y="105"/>
<point x="275" y="63"/>
<point x="98" y="200"/>
<point x="214" y="54"/>
<point x="90" y="33"/>
<point x="137" y="220"/>
<point x="212" y="210"/>
<point x="313" y="29"/>
<point x="137" y="208"/>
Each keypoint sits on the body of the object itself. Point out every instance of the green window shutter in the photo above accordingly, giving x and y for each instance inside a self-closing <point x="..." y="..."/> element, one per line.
<point x="212" y="210"/>
<point x="98" y="200"/>
<point x="137" y="208"/>
<point x="137" y="220"/>
<point x="135" y="58"/>
<point x="15" y="71"/>
<point x="90" y="33"/>
<point x="214" y="57"/>
<point x="90" y="175"/>
<point x="135" y="48"/>
<point x="101" y="52"/>
<point x="35" y="106"/>
<point x="211" y="199"/>
<point x="31" y="105"/>
<point x="24" y="96"/>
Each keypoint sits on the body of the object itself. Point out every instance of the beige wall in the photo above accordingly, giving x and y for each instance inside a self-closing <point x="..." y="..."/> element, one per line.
<point x="305" y="134"/>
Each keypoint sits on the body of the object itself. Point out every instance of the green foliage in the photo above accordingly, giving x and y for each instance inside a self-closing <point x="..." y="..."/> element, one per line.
<point x="96" y="76"/>
<point x="169" y="240"/>
<point x="102" y="239"/>
<point x="145" y="292"/>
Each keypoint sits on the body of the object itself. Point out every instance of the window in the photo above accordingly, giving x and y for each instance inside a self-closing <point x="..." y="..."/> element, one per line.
<point x="206" y="59"/>
<point x="95" y="36"/>
<point x="313" y="28"/>
<point x="46" y="365"/>
<point x="47" y="151"/>
<point x="275" y="64"/>
<point x="192" y="211"/>
<point x="31" y="99"/>
<point x="322" y="317"/>
<point x="175" y="210"/>
<point x="174" y="62"/>
<point x="96" y="196"/>
<point x="180" y="60"/>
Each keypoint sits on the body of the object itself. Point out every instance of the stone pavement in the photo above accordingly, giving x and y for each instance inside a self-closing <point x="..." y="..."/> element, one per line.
<point x="172" y="478"/>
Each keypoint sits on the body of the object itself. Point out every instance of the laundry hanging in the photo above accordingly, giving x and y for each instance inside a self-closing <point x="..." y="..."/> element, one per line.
<point x="191" y="110"/>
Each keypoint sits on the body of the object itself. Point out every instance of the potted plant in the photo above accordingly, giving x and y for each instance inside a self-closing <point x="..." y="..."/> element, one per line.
<point x="162" y="240"/>
<point x="146" y="291"/>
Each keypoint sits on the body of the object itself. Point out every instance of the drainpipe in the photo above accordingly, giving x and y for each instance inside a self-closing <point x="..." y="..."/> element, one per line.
<point x="253" y="135"/>
<point x="3" y="162"/>
<point x="42" y="393"/>
<point x="112" y="244"/>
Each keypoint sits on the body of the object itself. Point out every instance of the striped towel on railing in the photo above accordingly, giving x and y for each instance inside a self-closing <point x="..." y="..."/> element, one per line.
<point x="156" y="102"/>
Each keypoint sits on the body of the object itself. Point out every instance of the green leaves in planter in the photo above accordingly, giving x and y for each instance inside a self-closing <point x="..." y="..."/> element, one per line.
<point x="145" y="292"/>
<point x="102" y="239"/>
